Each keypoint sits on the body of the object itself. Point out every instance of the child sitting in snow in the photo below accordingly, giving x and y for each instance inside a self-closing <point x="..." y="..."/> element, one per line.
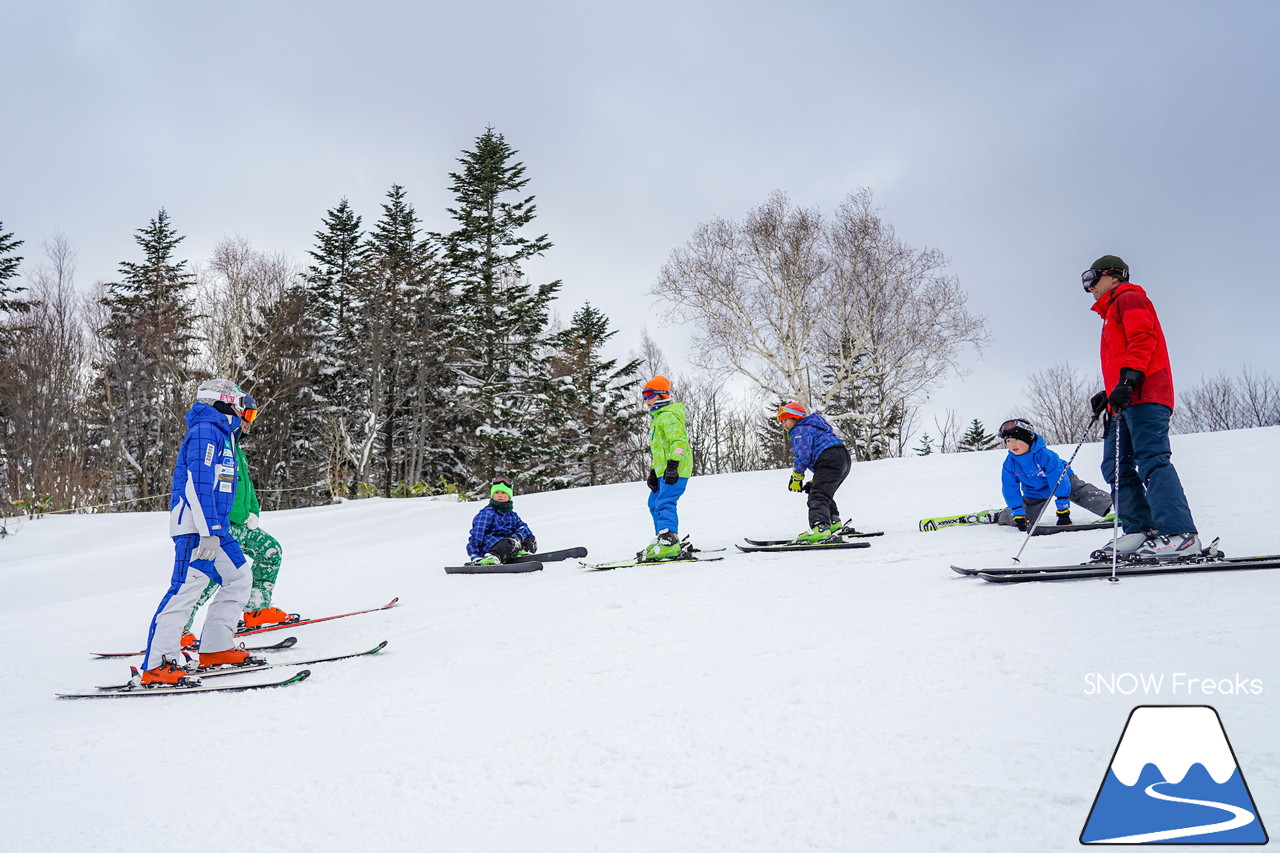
<point x="497" y="533"/>
<point x="1030" y="470"/>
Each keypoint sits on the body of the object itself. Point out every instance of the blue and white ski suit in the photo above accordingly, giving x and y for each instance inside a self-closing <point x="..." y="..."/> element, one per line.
<point x="200" y="499"/>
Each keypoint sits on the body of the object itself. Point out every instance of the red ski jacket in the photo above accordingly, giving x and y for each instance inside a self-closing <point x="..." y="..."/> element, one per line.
<point x="1132" y="337"/>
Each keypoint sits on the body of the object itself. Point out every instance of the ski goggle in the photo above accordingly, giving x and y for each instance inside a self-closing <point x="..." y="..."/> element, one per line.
<point x="249" y="415"/>
<point x="1089" y="278"/>
<point x="502" y="481"/>
<point x="791" y="412"/>
<point x="650" y="393"/>
<point x="1008" y="428"/>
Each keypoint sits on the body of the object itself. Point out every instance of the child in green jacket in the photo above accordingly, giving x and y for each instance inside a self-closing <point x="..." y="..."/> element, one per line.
<point x="672" y="464"/>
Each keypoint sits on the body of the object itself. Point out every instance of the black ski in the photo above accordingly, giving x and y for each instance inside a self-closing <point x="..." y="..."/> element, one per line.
<point x="495" y="569"/>
<point x="172" y="691"/>
<point x="1049" y="529"/>
<point x="1127" y="570"/>
<point x="258" y="667"/>
<point x="1218" y="560"/>
<point x="802" y="546"/>
<point x="286" y="643"/>
<point x="551" y="556"/>
<point x="857" y="534"/>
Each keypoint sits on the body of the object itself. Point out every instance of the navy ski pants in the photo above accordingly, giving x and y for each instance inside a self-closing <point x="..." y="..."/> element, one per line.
<point x="1150" y="493"/>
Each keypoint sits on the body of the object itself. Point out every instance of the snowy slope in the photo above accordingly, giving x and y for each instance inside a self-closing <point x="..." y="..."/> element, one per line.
<point x="860" y="700"/>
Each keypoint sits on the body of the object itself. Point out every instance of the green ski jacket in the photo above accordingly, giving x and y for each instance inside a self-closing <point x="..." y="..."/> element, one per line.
<point x="668" y="439"/>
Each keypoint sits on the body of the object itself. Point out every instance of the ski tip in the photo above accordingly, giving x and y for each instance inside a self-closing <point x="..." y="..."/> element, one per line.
<point x="391" y="603"/>
<point x="378" y="647"/>
<point x="301" y="676"/>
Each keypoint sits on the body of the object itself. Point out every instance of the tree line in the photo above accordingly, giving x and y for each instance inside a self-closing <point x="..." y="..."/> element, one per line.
<point x="398" y="361"/>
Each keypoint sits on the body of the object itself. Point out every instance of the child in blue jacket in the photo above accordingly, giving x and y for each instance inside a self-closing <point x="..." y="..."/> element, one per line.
<point x="1030" y="470"/>
<point x="816" y="448"/>
<point x="497" y="533"/>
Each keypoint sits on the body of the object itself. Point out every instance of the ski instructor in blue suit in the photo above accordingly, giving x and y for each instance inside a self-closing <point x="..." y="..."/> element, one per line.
<point x="204" y="487"/>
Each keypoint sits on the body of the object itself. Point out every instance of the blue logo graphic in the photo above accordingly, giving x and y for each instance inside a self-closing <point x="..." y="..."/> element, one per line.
<point x="1174" y="779"/>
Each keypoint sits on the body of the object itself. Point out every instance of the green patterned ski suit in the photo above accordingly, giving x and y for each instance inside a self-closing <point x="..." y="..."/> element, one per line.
<point x="258" y="545"/>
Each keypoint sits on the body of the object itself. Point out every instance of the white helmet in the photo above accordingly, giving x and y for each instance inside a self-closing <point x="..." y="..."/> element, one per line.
<point x="213" y="391"/>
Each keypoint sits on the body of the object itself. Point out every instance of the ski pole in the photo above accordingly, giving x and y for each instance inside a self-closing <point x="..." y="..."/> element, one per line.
<point x="1031" y="528"/>
<point x="1115" y="503"/>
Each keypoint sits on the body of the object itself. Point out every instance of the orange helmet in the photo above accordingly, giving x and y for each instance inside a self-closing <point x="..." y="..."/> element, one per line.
<point x="658" y="386"/>
<point x="792" y="410"/>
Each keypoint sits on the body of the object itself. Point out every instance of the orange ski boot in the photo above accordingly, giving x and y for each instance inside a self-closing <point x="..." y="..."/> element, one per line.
<point x="265" y="616"/>
<point x="167" y="674"/>
<point x="235" y="656"/>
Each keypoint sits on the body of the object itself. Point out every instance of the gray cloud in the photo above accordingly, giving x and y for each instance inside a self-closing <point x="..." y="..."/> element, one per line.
<point x="1022" y="141"/>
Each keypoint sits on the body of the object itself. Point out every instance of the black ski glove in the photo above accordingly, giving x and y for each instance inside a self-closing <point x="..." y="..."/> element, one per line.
<point x="530" y="544"/>
<point x="1064" y="517"/>
<point x="1020" y="521"/>
<point x="1098" y="403"/>
<point x="672" y="473"/>
<point x="1130" y="383"/>
<point x="652" y="481"/>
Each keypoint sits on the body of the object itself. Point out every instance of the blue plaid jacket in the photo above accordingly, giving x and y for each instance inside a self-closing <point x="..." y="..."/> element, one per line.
<point x="489" y="526"/>
<point x="809" y="437"/>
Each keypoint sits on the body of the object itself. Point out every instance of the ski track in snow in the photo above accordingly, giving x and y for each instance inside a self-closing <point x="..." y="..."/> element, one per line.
<point x="864" y="700"/>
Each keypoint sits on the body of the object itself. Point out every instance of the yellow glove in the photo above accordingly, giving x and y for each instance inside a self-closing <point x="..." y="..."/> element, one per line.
<point x="797" y="481"/>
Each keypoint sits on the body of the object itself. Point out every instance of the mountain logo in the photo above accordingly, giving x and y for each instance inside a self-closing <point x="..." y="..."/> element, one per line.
<point x="1173" y="779"/>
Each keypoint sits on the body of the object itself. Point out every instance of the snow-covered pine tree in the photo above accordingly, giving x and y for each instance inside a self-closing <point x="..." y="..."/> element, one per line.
<point x="925" y="447"/>
<point x="977" y="438"/>
<point x="144" y="362"/>
<point x="403" y="301"/>
<point x="335" y="281"/>
<point x="9" y="262"/>
<point x="602" y="400"/>
<point x="288" y="457"/>
<point x="774" y="441"/>
<point x="509" y="407"/>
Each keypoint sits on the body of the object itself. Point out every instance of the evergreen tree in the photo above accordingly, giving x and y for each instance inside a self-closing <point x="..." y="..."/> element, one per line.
<point x="601" y="396"/>
<point x="9" y="262"/>
<point x="407" y="341"/>
<point x="774" y="441"/>
<point x="977" y="438"/>
<point x="287" y="450"/>
<point x="510" y="410"/>
<point x="147" y="347"/>
<point x="925" y="447"/>
<point x="335" y="281"/>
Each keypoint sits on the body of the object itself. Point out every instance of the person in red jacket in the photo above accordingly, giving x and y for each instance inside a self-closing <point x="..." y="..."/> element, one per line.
<point x="1135" y="366"/>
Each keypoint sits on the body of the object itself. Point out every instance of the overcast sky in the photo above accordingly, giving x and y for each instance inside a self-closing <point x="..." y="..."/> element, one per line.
<point x="1021" y="139"/>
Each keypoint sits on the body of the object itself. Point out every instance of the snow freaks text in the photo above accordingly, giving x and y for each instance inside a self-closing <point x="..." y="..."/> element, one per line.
<point x="1168" y="684"/>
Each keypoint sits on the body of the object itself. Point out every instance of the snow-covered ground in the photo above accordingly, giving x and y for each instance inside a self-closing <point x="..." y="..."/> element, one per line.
<point x="864" y="700"/>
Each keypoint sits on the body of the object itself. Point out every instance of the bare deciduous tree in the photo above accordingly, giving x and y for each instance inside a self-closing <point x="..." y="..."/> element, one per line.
<point x="948" y="432"/>
<point x="43" y="386"/>
<point x="1225" y="402"/>
<point x="839" y="315"/>
<point x="1058" y="402"/>
<point x="240" y="282"/>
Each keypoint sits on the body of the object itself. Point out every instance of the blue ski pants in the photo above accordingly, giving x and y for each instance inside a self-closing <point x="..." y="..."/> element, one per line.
<point x="1150" y="495"/>
<point x="662" y="505"/>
